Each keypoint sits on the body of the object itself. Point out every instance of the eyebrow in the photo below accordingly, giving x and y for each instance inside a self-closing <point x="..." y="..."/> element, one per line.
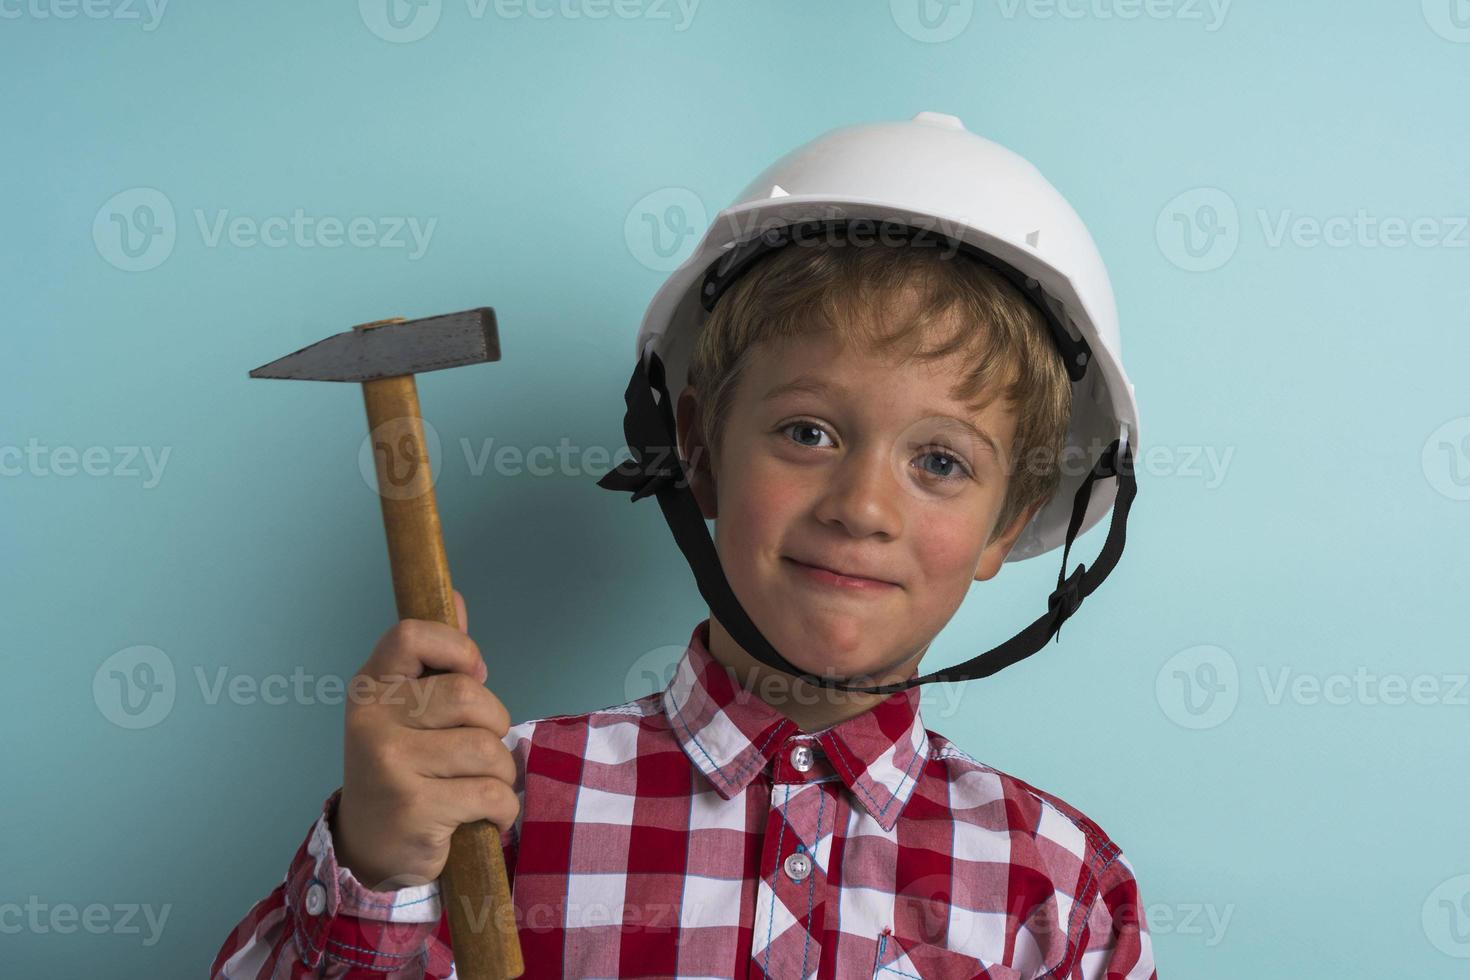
<point x="817" y="387"/>
<point x="800" y="384"/>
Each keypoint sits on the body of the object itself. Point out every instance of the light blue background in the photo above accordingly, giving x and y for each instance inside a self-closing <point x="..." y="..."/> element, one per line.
<point x="1328" y="838"/>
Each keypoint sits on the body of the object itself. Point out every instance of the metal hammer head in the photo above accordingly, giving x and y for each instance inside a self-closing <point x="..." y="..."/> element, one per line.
<point x="388" y="348"/>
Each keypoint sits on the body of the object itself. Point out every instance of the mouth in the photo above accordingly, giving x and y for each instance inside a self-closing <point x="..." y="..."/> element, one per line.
<point x="826" y="576"/>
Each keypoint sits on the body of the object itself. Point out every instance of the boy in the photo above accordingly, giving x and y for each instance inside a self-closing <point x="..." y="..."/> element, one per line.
<point x="779" y="809"/>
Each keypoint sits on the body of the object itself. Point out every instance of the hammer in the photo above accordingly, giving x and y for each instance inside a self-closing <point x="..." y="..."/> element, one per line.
<point x="384" y="356"/>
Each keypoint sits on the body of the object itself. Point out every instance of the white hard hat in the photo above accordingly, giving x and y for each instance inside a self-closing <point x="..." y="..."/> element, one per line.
<point x="933" y="173"/>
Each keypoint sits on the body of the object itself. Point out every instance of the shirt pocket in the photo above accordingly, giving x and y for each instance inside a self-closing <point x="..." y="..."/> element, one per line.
<point x="910" y="959"/>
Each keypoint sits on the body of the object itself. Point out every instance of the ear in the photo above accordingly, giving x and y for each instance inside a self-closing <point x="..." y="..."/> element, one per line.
<point x="996" y="551"/>
<point x="694" y="452"/>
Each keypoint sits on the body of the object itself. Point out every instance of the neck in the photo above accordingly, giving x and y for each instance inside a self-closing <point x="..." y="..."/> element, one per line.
<point x="812" y="708"/>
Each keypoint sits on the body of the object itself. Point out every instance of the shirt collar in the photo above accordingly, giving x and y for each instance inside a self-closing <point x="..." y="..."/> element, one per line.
<point x="730" y="734"/>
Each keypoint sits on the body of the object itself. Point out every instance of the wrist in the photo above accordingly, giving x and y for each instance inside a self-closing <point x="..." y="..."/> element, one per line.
<point x="343" y="846"/>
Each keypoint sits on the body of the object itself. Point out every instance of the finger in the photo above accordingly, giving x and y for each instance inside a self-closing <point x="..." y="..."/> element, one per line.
<point x="471" y="798"/>
<point x="461" y="612"/>
<point x="413" y="647"/>
<point x="450" y="701"/>
<point x="457" y="752"/>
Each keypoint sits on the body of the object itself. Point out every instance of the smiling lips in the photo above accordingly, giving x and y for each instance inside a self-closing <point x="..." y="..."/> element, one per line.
<point x="826" y="576"/>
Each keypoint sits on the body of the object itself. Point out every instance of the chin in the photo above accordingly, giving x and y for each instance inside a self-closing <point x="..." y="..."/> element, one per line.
<point x="827" y="644"/>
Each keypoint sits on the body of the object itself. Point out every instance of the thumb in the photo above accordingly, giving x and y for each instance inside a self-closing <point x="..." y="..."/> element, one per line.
<point x="461" y="612"/>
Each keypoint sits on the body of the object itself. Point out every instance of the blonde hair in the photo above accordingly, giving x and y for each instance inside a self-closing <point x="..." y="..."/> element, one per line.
<point x="851" y="288"/>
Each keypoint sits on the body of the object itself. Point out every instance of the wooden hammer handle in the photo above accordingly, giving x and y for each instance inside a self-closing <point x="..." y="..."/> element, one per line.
<point x="473" y="886"/>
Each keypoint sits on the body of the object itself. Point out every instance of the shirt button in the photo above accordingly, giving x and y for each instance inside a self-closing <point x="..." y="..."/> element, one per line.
<point x="316" y="898"/>
<point x="801" y="758"/>
<point x="798" y="866"/>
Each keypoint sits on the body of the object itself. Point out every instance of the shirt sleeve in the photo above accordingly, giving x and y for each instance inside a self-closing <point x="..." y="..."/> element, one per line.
<point x="320" y="921"/>
<point x="1117" y="945"/>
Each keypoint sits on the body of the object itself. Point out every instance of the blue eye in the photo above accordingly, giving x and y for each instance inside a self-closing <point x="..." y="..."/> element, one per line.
<point x="812" y="426"/>
<point x="939" y="452"/>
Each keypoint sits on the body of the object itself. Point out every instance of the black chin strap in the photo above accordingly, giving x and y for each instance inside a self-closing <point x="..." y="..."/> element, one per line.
<point x="657" y="471"/>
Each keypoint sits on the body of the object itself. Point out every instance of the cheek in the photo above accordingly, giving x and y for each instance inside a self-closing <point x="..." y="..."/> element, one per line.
<point x="757" y="503"/>
<point x="948" y="546"/>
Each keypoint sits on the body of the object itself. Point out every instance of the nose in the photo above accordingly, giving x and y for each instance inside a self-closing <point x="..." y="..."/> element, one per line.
<point x="862" y="495"/>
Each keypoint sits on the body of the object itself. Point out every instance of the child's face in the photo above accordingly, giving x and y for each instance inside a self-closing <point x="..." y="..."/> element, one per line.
<point x="876" y="475"/>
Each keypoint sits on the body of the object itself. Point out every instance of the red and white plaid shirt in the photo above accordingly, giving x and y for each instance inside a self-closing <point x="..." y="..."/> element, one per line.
<point x="698" y="832"/>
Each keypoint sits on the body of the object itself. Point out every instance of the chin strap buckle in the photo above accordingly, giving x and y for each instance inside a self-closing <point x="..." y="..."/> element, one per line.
<point x="1066" y="597"/>
<point x="653" y="466"/>
<point x="645" y="476"/>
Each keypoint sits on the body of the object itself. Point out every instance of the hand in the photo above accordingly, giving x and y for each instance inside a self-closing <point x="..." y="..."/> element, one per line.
<point x="422" y="755"/>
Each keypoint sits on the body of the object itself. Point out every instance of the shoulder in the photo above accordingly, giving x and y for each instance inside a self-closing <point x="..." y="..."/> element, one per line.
<point x="587" y="766"/>
<point x="984" y="796"/>
<point x="612" y="734"/>
<point x="1071" y="870"/>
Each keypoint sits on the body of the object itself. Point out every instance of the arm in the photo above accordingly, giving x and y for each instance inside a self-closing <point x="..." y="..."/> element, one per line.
<point x="1117" y="945"/>
<point x="322" y="922"/>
